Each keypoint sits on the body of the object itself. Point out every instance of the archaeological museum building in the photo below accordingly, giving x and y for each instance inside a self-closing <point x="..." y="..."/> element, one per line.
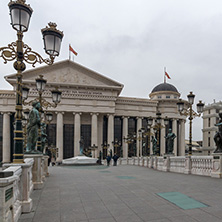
<point x="93" y="114"/>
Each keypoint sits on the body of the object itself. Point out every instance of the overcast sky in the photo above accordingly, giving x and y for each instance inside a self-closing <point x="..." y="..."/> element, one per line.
<point x="131" y="41"/>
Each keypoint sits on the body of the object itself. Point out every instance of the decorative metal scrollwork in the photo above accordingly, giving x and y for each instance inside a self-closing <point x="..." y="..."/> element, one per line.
<point x="9" y="53"/>
<point x="32" y="57"/>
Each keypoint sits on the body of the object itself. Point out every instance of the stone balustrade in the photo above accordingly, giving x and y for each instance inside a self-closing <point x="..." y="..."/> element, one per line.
<point x="196" y="165"/>
<point x="17" y="182"/>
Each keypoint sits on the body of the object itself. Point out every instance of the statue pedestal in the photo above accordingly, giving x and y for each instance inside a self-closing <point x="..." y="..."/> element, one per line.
<point x="217" y="165"/>
<point x="36" y="170"/>
<point x="80" y="160"/>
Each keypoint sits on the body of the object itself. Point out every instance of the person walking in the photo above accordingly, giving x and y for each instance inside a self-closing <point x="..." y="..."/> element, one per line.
<point x="115" y="158"/>
<point x="108" y="159"/>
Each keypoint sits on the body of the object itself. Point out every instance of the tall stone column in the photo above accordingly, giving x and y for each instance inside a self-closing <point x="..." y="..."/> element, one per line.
<point x="139" y="142"/>
<point x="59" y="136"/>
<point x="174" y="130"/>
<point x="151" y="134"/>
<point x="125" y="134"/>
<point x="77" y="133"/>
<point x="6" y="138"/>
<point x="110" y="131"/>
<point x="182" y="138"/>
<point x="94" y="133"/>
<point x="162" y="139"/>
<point x="100" y="133"/>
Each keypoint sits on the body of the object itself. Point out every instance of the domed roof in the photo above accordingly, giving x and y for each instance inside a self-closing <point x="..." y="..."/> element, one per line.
<point x="164" y="87"/>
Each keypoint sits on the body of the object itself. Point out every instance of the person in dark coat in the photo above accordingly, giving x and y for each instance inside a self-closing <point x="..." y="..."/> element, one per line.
<point x="115" y="158"/>
<point x="108" y="158"/>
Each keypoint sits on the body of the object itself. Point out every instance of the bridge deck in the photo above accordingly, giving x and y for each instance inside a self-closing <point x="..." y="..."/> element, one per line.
<point x="122" y="193"/>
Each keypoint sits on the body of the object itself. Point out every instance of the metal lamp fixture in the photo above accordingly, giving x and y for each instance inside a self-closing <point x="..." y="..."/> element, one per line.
<point x="52" y="39"/>
<point x="49" y="116"/>
<point x="200" y="107"/>
<point x="20" y="15"/>
<point x="180" y="105"/>
<point x="166" y="121"/>
<point x="40" y="83"/>
<point x="149" y="121"/>
<point x="56" y="96"/>
<point x="191" y="97"/>
<point x="25" y="92"/>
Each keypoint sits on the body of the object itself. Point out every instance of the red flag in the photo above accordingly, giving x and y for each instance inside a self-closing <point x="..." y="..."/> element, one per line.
<point x="72" y="50"/>
<point x="167" y="75"/>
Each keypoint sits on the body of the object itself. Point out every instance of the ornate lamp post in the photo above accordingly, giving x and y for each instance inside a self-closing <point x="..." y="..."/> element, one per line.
<point x="156" y="127"/>
<point x="190" y="113"/>
<point x="105" y="147"/>
<point x="130" y="139"/>
<point x="20" y="14"/>
<point x="116" y="145"/>
<point x="25" y="123"/>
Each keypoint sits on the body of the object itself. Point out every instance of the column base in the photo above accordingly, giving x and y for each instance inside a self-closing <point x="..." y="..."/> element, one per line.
<point x="27" y="206"/>
<point x="38" y="185"/>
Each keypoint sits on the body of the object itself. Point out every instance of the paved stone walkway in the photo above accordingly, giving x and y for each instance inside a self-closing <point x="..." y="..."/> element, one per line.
<point x="122" y="193"/>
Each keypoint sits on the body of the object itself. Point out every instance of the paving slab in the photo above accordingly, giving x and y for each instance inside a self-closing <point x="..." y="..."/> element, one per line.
<point x="122" y="193"/>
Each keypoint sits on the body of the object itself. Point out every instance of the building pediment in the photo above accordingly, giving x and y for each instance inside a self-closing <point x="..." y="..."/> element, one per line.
<point x="70" y="74"/>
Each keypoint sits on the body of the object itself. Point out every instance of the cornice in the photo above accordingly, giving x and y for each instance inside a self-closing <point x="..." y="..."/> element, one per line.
<point x="135" y="101"/>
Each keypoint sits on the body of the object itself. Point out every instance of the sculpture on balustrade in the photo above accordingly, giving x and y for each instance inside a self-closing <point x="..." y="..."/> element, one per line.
<point x="218" y="136"/>
<point x="154" y="147"/>
<point x="33" y="127"/>
<point x="170" y="141"/>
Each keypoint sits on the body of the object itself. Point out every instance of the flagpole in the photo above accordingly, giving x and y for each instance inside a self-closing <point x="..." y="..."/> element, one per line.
<point x="69" y="51"/>
<point x="164" y="74"/>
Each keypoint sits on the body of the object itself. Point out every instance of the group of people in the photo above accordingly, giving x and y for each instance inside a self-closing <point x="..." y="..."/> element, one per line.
<point x="115" y="158"/>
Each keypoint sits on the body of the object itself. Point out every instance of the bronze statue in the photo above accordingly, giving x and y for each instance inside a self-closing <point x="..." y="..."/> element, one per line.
<point x="170" y="141"/>
<point x="154" y="147"/>
<point x="218" y="136"/>
<point x="32" y="128"/>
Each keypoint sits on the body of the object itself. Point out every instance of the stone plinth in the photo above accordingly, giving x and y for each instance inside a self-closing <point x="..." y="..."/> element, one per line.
<point x="217" y="165"/>
<point x="45" y="166"/>
<point x="26" y="183"/>
<point x="80" y="160"/>
<point x="36" y="170"/>
<point x="6" y="196"/>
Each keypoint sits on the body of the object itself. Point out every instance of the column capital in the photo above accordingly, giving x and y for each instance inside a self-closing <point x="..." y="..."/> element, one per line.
<point x="94" y="114"/>
<point x="74" y="113"/>
<point x="123" y="117"/>
<point x="6" y="112"/>
<point x="139" y="117"/>
<point x="110" y="114"/>
<point x="60" y="113"/>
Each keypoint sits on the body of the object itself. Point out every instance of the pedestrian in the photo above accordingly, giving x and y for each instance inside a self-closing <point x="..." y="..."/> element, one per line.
<point x="115" y="158"/>
<point x="48" y="152"/>
<point x="108" y="159"/>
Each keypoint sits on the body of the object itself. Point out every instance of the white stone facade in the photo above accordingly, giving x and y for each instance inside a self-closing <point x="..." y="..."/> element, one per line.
<point x="88" y="98"/>
<point x="210" y="118"/>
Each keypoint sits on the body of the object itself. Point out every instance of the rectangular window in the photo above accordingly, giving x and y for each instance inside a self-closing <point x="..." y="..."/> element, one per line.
<point x="208" y="141"/>
<point x="208" y="122"/>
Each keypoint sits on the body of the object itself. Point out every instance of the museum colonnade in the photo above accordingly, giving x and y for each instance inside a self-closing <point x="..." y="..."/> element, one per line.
<point x="98" y="129"/>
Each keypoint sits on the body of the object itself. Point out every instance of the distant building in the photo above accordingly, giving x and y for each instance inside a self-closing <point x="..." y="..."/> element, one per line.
<point x="92" y="108"/>
<point x="210" y="118"/>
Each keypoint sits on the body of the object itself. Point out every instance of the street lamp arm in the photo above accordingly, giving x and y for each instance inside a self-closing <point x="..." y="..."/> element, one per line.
<point x="189" y="111"/>
<point x="9" y="53"/>
<point x="44" y="103"/>
<point x="33" y="57"/>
